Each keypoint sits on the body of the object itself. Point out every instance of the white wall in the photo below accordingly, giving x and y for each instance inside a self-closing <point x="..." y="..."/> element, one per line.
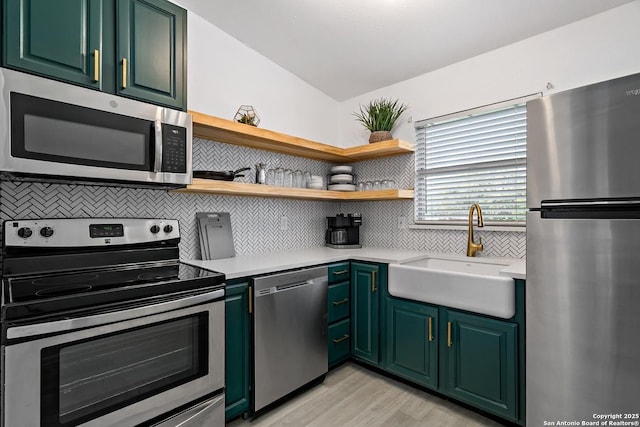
<point x="224" y="74"/>
<point x="598" y="48"/>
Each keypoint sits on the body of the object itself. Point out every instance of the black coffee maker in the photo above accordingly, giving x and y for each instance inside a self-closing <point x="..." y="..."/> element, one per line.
<point x="343" y="232"/>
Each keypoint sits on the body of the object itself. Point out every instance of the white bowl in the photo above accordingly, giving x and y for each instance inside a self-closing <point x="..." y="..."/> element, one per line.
<point x="341" y="169"/>
<point x="315" y="186"/>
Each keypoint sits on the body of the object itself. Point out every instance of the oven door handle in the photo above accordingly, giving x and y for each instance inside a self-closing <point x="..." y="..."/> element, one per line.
<point x="113" y="317"/>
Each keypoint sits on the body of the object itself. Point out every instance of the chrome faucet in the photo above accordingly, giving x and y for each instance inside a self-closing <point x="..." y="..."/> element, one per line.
<point x="473" y="247"/>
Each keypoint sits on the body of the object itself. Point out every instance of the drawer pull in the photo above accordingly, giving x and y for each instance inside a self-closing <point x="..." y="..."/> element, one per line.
<point x="344" y="337"/>
<point x="449" y="342"/>
<point x="338" y="273"/>
<point x="430" y="328"/>
<point x="344" y="301"/>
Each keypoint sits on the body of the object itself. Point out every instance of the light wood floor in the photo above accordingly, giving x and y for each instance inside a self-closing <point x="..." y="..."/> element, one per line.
<point x="354" y="396"/>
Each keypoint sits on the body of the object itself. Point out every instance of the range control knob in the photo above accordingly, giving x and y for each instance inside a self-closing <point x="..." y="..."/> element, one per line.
<point x="25" y="232"/>
<point x="46" y="231"/>
<point x="168" y="228"/>
<point x="155" y="229"/>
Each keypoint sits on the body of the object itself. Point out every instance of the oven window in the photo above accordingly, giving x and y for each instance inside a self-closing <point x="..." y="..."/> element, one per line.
<point x="42" y="129"/>
<point x="84" y="380"/>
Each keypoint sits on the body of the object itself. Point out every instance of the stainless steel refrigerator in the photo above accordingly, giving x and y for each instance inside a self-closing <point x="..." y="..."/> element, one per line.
<point x="583" y="254"/>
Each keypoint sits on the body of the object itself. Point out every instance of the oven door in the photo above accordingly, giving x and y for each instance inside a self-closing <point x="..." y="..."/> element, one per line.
<point x="121" y="373"/>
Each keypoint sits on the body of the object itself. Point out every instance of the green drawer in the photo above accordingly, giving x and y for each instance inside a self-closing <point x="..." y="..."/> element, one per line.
<point x="338" y="272"/>
<point x="338" y="301"/>
<point x="339" y="341"/>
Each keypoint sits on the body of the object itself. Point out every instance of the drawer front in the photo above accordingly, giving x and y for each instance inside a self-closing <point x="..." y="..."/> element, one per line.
<point x="339" y="341"/>
<point x="338" y="301"/>
<point x="338" y="272"/>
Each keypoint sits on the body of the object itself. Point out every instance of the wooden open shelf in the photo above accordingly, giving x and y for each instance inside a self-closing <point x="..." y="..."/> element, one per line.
<point x="230" y="188"/>
<point x="231" y="132"/>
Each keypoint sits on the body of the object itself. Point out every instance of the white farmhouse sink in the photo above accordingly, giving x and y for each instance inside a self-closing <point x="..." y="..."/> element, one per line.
<point x="472" y="284"/>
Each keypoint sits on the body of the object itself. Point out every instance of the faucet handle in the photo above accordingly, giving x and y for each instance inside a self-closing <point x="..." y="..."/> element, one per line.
<point x="480" y="243"/>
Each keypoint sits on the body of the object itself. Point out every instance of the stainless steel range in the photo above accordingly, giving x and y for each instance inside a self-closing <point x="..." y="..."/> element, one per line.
<point x="103" y="326"/>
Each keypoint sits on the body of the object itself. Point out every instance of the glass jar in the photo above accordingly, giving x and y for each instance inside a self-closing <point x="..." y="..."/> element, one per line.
<point x="288" y="178"/>
<point x="279" y="181"/>
<point x="297" y="179"/>
<point x="306" y="179"/>
<point x="271" y="177"/>
<point x="376" y="185"/>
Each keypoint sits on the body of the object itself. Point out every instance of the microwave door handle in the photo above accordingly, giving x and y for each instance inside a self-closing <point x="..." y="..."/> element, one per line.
<point x="157" y="163"/>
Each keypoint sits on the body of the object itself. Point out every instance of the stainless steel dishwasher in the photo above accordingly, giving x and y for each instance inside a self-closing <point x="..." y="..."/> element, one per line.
<point x="290" y="332"/>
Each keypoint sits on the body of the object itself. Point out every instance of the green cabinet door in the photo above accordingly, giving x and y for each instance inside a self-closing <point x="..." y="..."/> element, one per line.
<point x="62" y="39"/>
<point x="151" y="51"/>
<point x="411" y="341"/>
<point x="481" y="361"/>
<point x="237" y="350"/>
<point x="365" y="301"/>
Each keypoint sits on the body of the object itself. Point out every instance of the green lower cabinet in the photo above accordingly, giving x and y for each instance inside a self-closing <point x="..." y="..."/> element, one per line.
<point x="411" y="342"/>
<point x="367" y="281"/>
<point x="338" y="302"/>
<point x="480" y="362"/>
<point x="339" y="341"/>
<point x="237" y="350"/>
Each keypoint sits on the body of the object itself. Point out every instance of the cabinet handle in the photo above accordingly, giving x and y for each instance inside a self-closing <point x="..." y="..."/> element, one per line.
<point x="344" y="301"/>
<point x="430" y="328"/>
<point x="373" y="281"/>
<point x="96" y="65"/>
<point x="344" y="337"/>
<point x="124" y="73"/>
<point x="449" y="342"/>
<point x="250" y="299"/>
<point x="337" y="273"/>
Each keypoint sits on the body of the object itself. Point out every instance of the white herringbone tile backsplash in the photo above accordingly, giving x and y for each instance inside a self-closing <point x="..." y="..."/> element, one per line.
<point x="255" y="221"/>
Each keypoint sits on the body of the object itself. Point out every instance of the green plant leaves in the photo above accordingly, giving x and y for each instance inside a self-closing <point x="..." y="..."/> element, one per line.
<point x="380" y="114"/>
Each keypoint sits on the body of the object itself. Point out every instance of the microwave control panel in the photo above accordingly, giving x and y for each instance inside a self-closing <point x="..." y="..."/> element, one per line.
<point x="174" y="149"/>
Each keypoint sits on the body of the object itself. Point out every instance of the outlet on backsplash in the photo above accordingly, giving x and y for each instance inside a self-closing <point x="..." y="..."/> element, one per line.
<point x="402" y="222"/>
<point x="284" y="223"/>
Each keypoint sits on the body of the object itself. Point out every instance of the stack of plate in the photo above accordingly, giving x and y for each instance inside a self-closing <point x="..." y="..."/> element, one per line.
<point x="341" y="179"/>
<point x="316" y="182"/>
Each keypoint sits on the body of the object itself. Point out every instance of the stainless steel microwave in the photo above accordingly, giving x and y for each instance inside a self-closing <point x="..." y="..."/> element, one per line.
<point x="54" y="130"/>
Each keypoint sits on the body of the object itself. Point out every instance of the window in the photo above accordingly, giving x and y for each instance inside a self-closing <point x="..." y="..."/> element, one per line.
<point x="474" y="157"/>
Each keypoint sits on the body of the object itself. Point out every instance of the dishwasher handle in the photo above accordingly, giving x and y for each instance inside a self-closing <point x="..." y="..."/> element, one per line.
<point x="288" y="287"/>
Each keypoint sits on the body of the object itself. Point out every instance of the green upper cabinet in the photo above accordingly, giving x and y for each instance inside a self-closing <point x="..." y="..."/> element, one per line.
<point x="151" y="51"/>
<point x="133" y="48"/>
<point x="237" y="349"/>
<point x="411" y="341"/>
<point x="481" y="362"/>
<point x="367" y="281"/>
<point x="61" y="39"/>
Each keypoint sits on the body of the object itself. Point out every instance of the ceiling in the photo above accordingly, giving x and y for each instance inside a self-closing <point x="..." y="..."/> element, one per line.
<point x="349" y="47"/>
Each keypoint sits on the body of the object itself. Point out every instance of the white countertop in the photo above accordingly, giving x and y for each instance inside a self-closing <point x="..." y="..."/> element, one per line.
<point x="255" y="264"/>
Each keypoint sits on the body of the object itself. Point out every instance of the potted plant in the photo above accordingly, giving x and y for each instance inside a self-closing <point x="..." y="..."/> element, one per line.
<point x="248" y="119"/>
<point x="247" y="114"/>
<point x="380" y="116"/>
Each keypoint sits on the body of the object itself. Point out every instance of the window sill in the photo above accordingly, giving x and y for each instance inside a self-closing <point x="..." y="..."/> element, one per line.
<point x="513" y="228"/>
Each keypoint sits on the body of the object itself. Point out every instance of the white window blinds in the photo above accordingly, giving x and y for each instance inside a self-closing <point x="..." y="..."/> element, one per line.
<point x="475" y="158"/>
